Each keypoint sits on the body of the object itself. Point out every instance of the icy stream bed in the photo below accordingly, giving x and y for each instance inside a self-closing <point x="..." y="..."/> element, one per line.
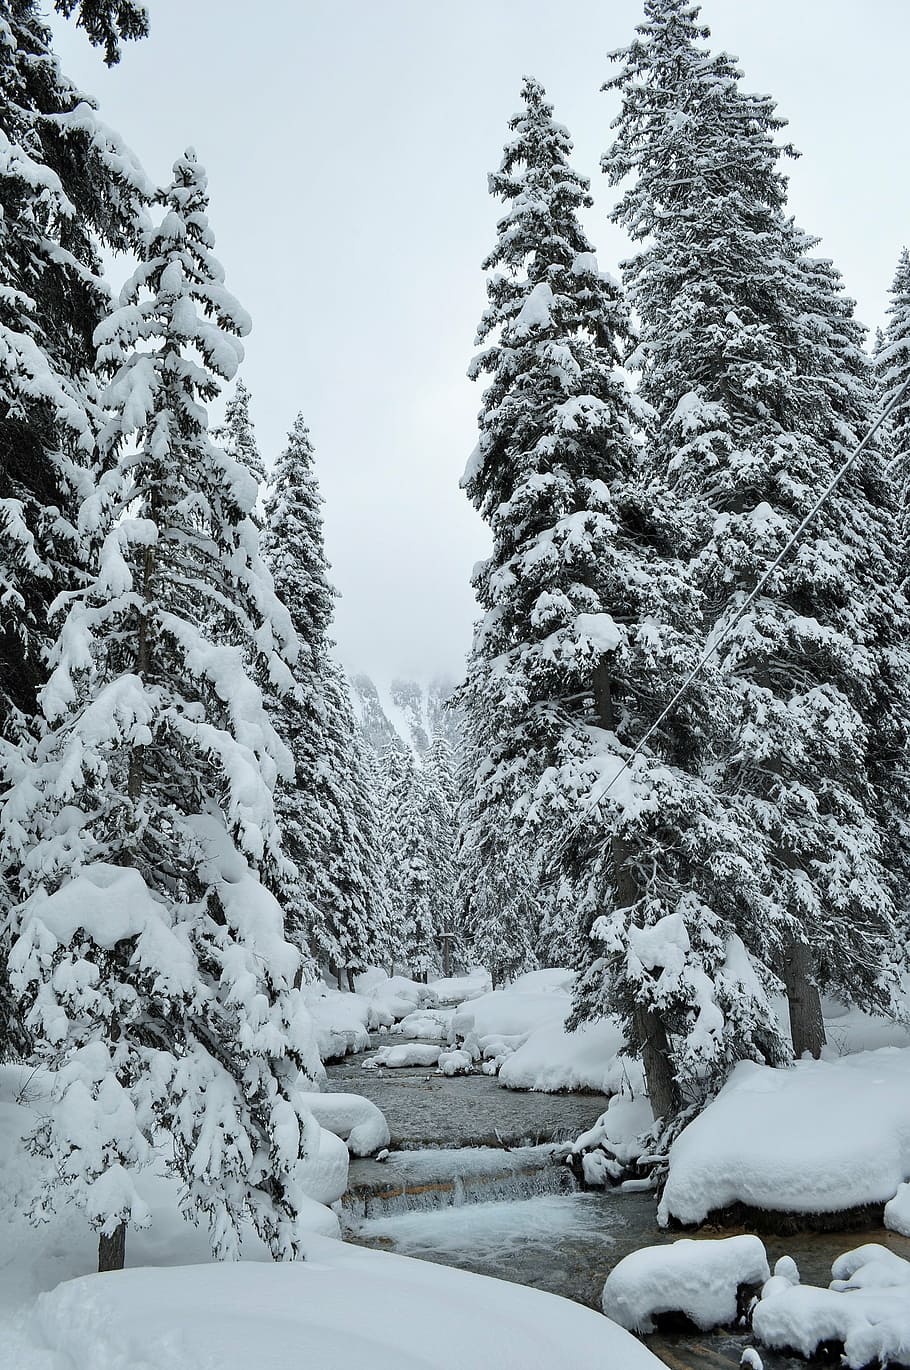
<point x="510" y="1212"/>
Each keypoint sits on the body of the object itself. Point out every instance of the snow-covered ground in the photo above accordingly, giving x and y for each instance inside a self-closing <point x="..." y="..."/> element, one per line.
<point x="342" y="1307"/>
<point x="818" y="1137"/>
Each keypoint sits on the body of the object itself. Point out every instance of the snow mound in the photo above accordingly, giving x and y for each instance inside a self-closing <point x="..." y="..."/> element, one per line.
<point x="428" y="1025"/>
<point x="897" y="1211"/>
<point x="324" y="1174"/>
<point x="699" y="1278"/>
<point x="341" y="1307"/>
<point x="389" y="998"/>
<point x="455" y="989"/>
<point x="866" y="1309"/>
<point x="456" y="1062"/>
<point x="538" y="999"/>
<point x="817" y="1137"/>
<point x="351" y="1116"/>
<point x="552" y="1059"/>
<point x="408" y="1054"/>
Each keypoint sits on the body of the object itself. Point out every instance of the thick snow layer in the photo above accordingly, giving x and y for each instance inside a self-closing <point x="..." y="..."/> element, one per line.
<point x="342" y="1307"/>
<point x="456" y="1062"/>
<point x="391" y="997"/>
<point x="698" y="1278"/>
<point x="614" y="1140"/>
<point x="339" y="1021"/>
<point x="815" y="1138"/>
<point x="553" y="1059"/>
<point x="351" y="1116"/>
<point x="407" y="1054"/>
<point x="866" y="1308"/>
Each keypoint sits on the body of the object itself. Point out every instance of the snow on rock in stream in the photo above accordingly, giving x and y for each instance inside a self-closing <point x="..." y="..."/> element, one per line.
<point x="614" y="1140"/>
<point x="340" y="1308"/>
<point x="866" y="1309"/>
<point x="552" y="1059"/>
<point x="407" y="1054"/>
<point x="426" y="1025"/>
<point x="701" y="1279"/>
<point x="818" y="1137"/>
<point x="356" y="1119"/>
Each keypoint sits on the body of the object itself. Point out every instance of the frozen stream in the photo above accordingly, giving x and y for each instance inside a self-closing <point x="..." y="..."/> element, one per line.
<point x="511" y="1212"/>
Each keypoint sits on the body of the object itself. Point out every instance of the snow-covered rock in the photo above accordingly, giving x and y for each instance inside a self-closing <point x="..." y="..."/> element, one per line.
<point x="817" y="1137"/>
<point x="456" y="1062"/>
<point x="552" y="1059"/>
<point x="698" y="1278"/>
<point x="341" y="1307"/>
<point x="540" y="998"/>
<point x="427" y="1025"/>
<point x="389" y="998"/>
<point x="350" y="1116"/>
<point x="897" y="1211"/>
<point x="324" y="1174"/>
<point x="866" y="1309"/>
<point x="407" y="1054"/>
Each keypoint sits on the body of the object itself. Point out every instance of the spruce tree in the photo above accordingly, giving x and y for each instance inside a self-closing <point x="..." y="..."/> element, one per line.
<point x="892" y="364"/>
<point x="752" y="362"/>
<point x="150" y="956"/>
<point x="68" y="188"/>
<point x="589" y="627"/>
<point x="438" y="768"/>
<point x="237" y="437"/>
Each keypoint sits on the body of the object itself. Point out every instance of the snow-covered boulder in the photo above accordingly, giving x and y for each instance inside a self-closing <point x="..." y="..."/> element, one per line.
<point x="407" y="1054"/>
<point x="427" y="1025"/>
<point x="701" y="1279"/>
<point x="817" y="1137"/>
<point x="389" y="998"/>
<point x="866" y="1309"/>
<point x="324" y="1174"/>
<point x="456" y="1062"/>
<point x="532" y="1001"/>
<point x="350" y="1116"/>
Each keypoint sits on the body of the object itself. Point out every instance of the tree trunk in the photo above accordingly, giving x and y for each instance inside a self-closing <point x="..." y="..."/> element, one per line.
<point x="647" y="1026"/>
<point x="112" y="1249"/>
<point x="338" y="977"/>
<point x="807" y="1027"/>
<point x="350" y="978"/>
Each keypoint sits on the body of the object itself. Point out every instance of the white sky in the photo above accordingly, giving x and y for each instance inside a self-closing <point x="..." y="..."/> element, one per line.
<point x="347" y="144"/>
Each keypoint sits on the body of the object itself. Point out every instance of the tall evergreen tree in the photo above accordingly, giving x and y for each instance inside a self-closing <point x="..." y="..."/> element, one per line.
<point x="438" y="770"/>
<point x="237" y="437"/>
<point x="892" y="363"/>
<point x="589" y="628"/>
<point x="335" y="902"/>
<point x="68" y="188"/>
<point x="150" y="957"/>
<point x="751" y="360"/>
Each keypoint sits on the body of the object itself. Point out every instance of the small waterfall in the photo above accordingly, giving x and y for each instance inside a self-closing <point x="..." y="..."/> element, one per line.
<point x="458" y="1179"/>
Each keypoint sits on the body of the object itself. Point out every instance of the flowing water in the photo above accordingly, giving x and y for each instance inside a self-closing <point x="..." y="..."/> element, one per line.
<point x="513" y="1211"/>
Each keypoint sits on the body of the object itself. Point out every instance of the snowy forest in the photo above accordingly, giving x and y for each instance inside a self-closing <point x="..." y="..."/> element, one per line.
<point x="552" y="975"/>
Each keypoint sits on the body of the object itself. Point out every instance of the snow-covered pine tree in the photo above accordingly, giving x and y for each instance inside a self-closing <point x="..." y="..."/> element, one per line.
<point x="150" y="957"/>
<point x="438" y="767"/>
<point x="892" y="365"/>
<point x="588" y="629"/>
<point x="397" y="780"/>
<point x="751" y="361"/>
<point x="335" y="903"/>
<point x="106" y="22"/>
<point x="237" y="437"/>
<point x="67" y="188"/>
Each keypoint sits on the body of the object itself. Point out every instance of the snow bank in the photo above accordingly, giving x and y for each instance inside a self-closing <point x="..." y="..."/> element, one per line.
<point x="324" y="1174"/>
<point x="389" y="998"/>
<point x="342" y="1307"/>
<point x="351" y="1116"/>
<point x="815" y="1138"/>
<point x="552" y="1059"/>
<point x="698" y="1278"/>
<point x="339" y="1020"/>
<point x="866" y="1308"/>
<point x="455" y="989"/>
<point x="538" y="999"/>
<point x="408" y="1054"/>
<point x="897" y="1211"/>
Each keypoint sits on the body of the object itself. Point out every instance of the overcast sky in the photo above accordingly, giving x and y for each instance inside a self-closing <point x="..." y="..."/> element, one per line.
<point x="347" y="144"/>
